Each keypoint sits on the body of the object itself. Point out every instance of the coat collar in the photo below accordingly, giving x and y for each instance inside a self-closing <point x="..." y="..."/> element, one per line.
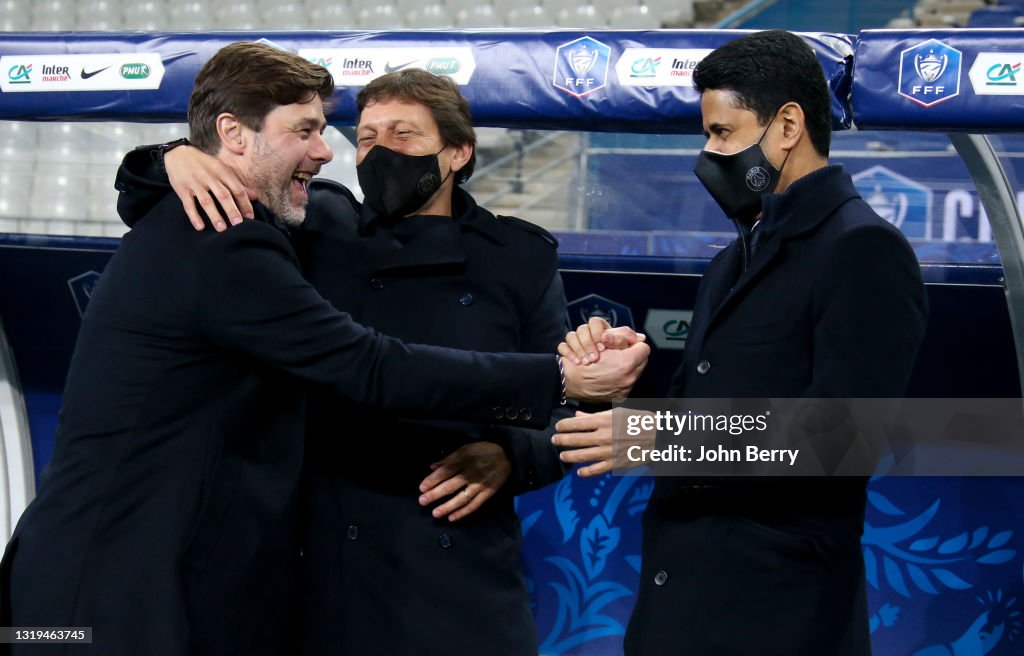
<point x="420" y="241"/>
<point x="805" y="205"/>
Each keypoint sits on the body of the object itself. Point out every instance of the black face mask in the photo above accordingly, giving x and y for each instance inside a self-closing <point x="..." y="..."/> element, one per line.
<point x="395" y="184"/>
<point x="738" y="181"/>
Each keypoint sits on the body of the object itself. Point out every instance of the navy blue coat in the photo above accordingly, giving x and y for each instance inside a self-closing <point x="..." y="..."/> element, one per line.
<point x="831" y="306"/>
<point x="382" y="576"/>
<point x="167" y="518"/>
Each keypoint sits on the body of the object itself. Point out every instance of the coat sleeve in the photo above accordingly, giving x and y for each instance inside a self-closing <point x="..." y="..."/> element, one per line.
<point x="255" y="302"/>
<point x="534" y="459"/>
<point x="871" y="311"/>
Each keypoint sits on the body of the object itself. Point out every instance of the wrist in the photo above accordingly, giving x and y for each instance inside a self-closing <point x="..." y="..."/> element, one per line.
<point x="163" y="149"/>
<point x="563" y="385"/>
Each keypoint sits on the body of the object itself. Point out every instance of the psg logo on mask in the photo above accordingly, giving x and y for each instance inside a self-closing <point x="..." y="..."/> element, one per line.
<point x="427" y="184"/>
<point x="757" y="178"/>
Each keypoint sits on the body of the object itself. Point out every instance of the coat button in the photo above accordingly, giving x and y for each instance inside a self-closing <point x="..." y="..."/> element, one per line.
<point x="525" y="414"/>
<point x="703" y="367"/>
<point x="376" y="283"/>
<point x="511" y="413"/>
<point x="660" y="577"/>
<point x="466" y="299"/>
<point x="499" y="413"/>
<point x="353" y="532"/>
<point x="445" y="541"/>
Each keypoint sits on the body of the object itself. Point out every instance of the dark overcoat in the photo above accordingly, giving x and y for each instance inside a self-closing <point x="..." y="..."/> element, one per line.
<point x="166" y="519"/>
<point x="831" y="305"/>
<point x="382" y="576"/>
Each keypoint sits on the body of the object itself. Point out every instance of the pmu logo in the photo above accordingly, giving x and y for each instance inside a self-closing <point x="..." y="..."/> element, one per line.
<point x="443" y="65"/>
<point x="135" y="71"/>
<point x="930" y="73"/>
<point x="899" y="200"/>
<point x="581" y="66"/>
<point x="19" y="74"/>
<point x="645" y="67"/>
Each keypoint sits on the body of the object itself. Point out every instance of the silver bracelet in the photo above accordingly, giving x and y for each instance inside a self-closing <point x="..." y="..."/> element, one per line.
<point x="561" y="372"/>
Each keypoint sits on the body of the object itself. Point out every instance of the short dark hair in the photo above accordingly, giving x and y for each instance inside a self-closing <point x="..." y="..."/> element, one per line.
<point x="249" y="80"/>
<point x="766" y="70"/>
<point x="439" y="94"/>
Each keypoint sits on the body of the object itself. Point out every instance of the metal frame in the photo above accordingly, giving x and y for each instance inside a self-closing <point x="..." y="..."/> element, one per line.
<point x="1007" y="227"/>
<point x="17" y="471"/>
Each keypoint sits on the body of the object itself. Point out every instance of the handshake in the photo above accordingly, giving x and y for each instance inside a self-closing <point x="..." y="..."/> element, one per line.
<point x="606" y="362"/>
<point x="602" y="363"/>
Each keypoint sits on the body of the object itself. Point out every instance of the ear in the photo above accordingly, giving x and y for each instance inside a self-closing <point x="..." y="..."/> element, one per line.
<point x="231" y="133"/>
<point x="460" y="157"/>
<point x="790" y="119"/>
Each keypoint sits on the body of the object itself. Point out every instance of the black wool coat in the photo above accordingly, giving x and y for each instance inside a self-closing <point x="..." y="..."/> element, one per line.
<point x="381" y="575"/>
<point x="167" y="518"/>
<point x="831" y="305"/>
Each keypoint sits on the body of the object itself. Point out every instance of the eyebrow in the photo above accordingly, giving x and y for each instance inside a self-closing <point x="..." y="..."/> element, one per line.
<point x="310" y="122"/>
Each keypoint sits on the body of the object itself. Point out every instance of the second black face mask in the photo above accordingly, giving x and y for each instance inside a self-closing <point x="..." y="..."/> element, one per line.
<point x="395" y="184"/>
<point x="737" y="181"/>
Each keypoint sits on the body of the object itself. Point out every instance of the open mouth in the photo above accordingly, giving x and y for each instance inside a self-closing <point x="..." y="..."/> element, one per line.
<point x="301" y="179"/>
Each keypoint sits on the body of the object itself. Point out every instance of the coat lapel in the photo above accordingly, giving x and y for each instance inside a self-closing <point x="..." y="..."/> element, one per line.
<point x="788" y="215"/>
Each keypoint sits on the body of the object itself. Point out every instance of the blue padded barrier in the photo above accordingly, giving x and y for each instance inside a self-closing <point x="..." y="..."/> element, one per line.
<point x="522" y="79"/>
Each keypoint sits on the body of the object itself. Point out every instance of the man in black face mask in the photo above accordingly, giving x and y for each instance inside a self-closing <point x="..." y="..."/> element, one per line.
<point x="419" y="260"/>
<point x="819" y="298"/>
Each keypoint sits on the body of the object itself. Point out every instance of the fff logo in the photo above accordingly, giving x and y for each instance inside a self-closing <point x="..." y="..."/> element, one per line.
<point x="581" y="66"/>
<point x="930" y="73"/>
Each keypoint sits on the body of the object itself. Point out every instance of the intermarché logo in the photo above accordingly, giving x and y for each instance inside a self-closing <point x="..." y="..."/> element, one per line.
<point x="135" y="71"/>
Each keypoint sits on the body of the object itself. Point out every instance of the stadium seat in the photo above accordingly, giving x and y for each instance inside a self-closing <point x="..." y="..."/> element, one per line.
<point x="331" y="16"/>
<point x="227" y="18"/>
<point x="672" y="12"/>
<point x="606" y="7"/>
<point x="64" y="143"/>
<point x="530" y="16"/>
<point x="343" y="167"/>
<point x="432" y="16"/>
<point x="581" y="16"/>
<point x="14" y="23"/>
<point x="286" y="16"/>
<point x="479" y="16"/>
<point x="379" y="17"/>
<point x="98" y="15"/>
<point x="60" y="191"/>
<point x="15" y="185"/>
<point x="455" y="6"/>
<point x="108" y="142"/>
<point x="633" y="17"/>
<point x="144" y="15"/>
<point x="17" y="141"/>
<point x="1000" y="16"/>
<point x="102" y="195"/>
<point x="189" y="16"/>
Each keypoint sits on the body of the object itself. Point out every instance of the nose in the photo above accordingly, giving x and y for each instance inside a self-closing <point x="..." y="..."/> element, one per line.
<point x="319" y="151"/>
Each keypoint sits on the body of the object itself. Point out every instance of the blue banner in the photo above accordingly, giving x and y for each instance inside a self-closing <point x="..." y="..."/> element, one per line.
<point x="953" y="80"/>
<point x="630" y="81"/>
